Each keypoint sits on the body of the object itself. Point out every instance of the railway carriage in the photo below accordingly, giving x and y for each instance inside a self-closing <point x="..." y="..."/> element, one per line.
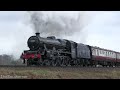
<point x="117" y="59"/>
<point x="103" y="56"/>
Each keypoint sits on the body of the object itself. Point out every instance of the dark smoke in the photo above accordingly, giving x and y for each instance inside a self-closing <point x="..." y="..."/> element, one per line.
<point x="59" y="26"/>
<point x="36" y="20"/>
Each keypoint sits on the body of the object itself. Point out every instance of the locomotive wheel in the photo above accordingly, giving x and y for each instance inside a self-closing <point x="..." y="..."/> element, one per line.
<point x="75" y="63"/>
<point x="62" y="63"/>
<point x="54" y="63"/>
<point x="40" y="62"/>
<point x="67" y="63"/>
<point x="58" y="62"/>
<point x="46" y="63"/>
<point x="29" y="62"/>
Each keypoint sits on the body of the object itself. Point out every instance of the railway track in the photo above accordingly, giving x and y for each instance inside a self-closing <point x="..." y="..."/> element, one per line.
<point x="13" y="66"/>
<point x="53" y="66"/>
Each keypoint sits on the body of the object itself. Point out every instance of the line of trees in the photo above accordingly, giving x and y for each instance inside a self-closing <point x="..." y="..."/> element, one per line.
<point x="9" y="60"/>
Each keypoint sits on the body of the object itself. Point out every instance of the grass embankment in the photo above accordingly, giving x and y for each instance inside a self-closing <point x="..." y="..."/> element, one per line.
<point x="58" y="73"/>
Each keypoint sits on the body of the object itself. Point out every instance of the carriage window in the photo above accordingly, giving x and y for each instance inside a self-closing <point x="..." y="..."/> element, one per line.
<point x="100" y="51"/>
<point x="108" y="53"/>
<point x="114" y="55"/>
<point x="93" y="51"/>
<point x="103" y="52"/>
<point x="96" y="51"/>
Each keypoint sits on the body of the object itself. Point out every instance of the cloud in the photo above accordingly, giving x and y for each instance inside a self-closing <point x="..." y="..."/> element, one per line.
<point x="13" y="33"/>
<point x="11" y="16"/>
<point x="104" y="30"/>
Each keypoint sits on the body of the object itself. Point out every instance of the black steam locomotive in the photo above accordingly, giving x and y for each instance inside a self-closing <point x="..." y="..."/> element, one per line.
<point x="61" y="52"/>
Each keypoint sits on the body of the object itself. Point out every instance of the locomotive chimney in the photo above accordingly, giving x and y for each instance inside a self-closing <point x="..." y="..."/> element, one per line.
<point x="37" y="34"/>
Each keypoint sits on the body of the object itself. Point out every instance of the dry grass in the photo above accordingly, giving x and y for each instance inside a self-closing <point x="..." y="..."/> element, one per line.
<point x="59" y="73"/>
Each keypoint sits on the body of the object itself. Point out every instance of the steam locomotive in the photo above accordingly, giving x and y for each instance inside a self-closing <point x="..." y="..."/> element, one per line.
<point x="61" y="52"/>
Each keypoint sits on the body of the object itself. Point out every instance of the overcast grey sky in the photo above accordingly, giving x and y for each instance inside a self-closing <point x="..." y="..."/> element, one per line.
<point x="103" y="30"/>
